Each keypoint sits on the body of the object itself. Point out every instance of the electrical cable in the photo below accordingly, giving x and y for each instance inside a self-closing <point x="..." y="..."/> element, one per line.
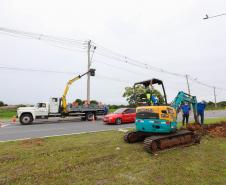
<point x="59" y="72"/>
<point x="102" y="52"/>
<point x="210" y="17"/>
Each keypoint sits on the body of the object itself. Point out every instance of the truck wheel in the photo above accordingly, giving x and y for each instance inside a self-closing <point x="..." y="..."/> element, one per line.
<point x="26" y="119"/>
<point x="118" y="121"/>
<point x="89" y="116"/>
<point x="83" y="118"/>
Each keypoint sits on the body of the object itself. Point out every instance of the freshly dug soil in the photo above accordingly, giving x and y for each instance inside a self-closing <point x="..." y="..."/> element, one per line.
<point x="216" y="129"/>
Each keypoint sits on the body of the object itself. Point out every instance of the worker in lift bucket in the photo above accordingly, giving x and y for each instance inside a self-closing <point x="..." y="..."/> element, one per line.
<point x="152" y="98"/>
<point x="200" y="109"/>
<point x="185" y="112"/>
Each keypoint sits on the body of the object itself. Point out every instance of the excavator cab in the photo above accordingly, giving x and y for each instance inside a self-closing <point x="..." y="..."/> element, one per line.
<point x="150" y="117"/>
<point x="149" y="89"/>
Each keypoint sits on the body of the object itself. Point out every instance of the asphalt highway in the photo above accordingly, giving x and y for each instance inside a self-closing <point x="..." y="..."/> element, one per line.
<point x="56" y="127"/>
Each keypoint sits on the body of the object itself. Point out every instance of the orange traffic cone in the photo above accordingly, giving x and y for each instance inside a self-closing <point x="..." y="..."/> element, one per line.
<point x="14" y="119"/>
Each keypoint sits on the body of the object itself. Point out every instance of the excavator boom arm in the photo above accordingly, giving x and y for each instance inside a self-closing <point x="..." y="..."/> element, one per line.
<point x="184" y="97"/>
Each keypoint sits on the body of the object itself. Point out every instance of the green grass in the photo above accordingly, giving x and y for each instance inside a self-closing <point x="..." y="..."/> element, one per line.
<point x="7" y="113"/>
<point x="104" y="159"/>
<point x="214" y="120"/>
<point x="112" y="110"/>
<point x="207" y="121"/>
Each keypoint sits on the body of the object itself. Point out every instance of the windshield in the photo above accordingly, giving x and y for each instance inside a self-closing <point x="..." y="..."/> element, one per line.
<point x="119" y="111"/>
<point x="40" y="105"/>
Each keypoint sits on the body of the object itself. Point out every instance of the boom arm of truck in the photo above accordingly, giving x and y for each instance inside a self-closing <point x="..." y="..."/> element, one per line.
<point x="184" y="97"/>
<point x="63" y="99"/>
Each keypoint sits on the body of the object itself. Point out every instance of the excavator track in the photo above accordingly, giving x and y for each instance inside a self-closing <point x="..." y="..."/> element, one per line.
<point x="134" y="137"/>
<point x="156" y="143"/>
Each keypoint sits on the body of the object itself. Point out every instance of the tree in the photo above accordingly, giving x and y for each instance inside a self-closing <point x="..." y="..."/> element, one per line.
<point x="1" y="104"/>
<point x="140" y="92"/>
<point x="222" y="104"/>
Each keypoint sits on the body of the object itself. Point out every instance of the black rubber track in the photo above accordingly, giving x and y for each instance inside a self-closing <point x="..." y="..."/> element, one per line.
<point x="151" y="142"/>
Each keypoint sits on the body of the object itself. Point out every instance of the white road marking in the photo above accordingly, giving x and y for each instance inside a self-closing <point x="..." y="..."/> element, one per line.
<point x="74" y="133"/>
<point x="4" y="125"/>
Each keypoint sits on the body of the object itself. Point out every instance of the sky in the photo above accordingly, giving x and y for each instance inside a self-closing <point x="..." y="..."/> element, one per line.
<point x="170" y="35"/>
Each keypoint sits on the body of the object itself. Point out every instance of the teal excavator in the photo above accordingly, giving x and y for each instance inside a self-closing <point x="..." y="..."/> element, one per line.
<point x="156" y="125"/>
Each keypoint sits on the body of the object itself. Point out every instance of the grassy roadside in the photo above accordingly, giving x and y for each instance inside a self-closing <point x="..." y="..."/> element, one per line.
<point x="7" y="113"/>
<point x="207" y="121"/>
<point x="112" y="110"/>
<point x="103" y="158"/>
<point x="214" y="120"/>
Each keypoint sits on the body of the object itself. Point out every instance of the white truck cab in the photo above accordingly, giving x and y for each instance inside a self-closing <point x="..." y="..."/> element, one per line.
<point x="41" y="110"/>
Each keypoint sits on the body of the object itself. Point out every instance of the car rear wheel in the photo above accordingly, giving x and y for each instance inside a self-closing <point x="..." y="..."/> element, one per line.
<point x="118" y="121"/>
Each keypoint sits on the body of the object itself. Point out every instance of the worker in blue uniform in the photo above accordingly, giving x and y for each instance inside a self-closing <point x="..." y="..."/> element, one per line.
<point x="185" y="111"/>
<point x="152" y="98"/>
<point x="155" y="100"/>
<point x="200" y="109"/>
<point x="105" y="110"/>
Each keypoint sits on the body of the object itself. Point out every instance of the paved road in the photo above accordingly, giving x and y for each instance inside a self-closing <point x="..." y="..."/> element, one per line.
<point x="53" y="127"/>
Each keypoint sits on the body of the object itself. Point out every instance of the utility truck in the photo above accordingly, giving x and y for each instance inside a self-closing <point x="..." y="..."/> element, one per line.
<point x="58" y="107"/>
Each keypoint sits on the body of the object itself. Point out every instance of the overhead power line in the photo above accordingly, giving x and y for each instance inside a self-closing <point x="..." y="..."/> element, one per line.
<point x="43" y="37"/>
<point x="80" y="45"/>
<point x="120" y="68"/>
<point x="210" y="17"/>
<point x="103" y="77"/>
<point x="119" y="57"/>
<point x="127" y="60"/>
<point x="33" y="70"/>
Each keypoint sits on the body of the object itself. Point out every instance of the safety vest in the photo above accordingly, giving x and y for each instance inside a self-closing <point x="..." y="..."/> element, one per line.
<point x="148" y="95"/>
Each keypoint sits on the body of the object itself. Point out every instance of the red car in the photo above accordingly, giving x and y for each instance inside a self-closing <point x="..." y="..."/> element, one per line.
<point x="122" y="115"/>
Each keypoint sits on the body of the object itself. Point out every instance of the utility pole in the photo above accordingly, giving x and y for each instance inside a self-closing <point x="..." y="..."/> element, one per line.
<point x="88" y="75"/>
<point x="215" y="96"/>
<point x="189" y="92"/>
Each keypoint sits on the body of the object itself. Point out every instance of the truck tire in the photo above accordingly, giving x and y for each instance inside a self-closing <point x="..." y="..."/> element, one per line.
<point x="90" y="116"/>
<point x="26" y="119"/>
<point x="83" y="118"/>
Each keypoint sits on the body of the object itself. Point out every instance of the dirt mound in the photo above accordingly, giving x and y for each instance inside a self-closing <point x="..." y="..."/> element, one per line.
<point x="32" y="142"/>
<point x="193" y="126"/>
<point x="215" y="129"/>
